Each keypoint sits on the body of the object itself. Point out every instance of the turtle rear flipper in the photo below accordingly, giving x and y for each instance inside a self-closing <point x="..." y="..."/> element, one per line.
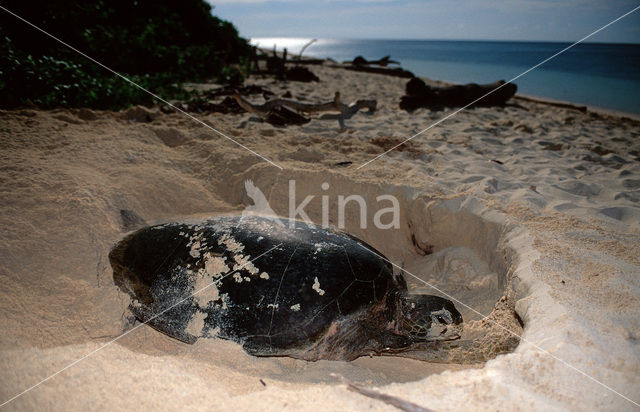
<point x="131" y="220"/>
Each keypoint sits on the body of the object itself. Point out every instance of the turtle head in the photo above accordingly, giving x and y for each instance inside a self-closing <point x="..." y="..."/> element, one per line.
<point x="430" y="318"/>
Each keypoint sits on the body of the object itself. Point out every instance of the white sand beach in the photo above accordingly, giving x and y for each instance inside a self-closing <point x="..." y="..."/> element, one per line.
<point x="533" y="202"/>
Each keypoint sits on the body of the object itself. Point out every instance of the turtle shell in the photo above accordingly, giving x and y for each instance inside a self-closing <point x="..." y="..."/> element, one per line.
<point x="273" y="283"/>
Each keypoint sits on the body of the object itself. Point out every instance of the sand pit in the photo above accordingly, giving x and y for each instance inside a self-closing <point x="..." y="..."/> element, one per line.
<point x="521" y="202"/>
<point x="448" y="248"/>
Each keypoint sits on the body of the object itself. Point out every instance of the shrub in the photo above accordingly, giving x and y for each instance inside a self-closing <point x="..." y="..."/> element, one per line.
<point x="157" y="44"/>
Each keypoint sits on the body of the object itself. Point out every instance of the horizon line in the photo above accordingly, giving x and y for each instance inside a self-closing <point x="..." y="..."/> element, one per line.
<point x="439" y="39"/>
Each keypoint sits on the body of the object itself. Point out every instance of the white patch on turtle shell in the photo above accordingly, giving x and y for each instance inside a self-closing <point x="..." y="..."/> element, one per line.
<point x="295" y="308"/>
<point x="195" y="249"/>
<point x="193" y="238"/>
<point x="213" y="333"/>
<point x="273" y="305"/>
<point x="196" y="324"/>
<point x="225" y="300"/>
<point x="230" y="244"/>
<point x="214" y="265"/>
<point x="316" y="286"/>
<point x="204" y="289"/>
<point x="243" y="262"/>
<point x="135" y="303"/>
<point x="203" y="286"/>
<point x="237" y="277"/>
<point x="264" y="275"/>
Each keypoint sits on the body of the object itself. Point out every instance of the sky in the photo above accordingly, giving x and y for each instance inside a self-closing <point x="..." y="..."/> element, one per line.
<point x="530" y="20"/>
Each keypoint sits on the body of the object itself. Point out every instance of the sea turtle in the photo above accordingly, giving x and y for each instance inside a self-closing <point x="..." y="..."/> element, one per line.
<point x="279" y="287"/>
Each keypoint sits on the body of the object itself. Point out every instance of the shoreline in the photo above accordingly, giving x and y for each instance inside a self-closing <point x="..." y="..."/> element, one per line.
<point x="581" y="107"/>
<point x="590" y="106"/>
<point x="578" y="106"/>
<point x="330" y="61"/>
<point x="252" y="39"/>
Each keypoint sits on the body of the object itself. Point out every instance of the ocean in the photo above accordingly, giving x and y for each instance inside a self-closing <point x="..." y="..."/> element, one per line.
<point x="594" y="74"/>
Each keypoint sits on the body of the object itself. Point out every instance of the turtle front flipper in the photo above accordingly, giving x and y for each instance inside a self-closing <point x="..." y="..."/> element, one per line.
<point x="342" y="340"/>
<point x="149" y="265"/>
<point x="169" y="323"/>
<point x="260" y="346"/>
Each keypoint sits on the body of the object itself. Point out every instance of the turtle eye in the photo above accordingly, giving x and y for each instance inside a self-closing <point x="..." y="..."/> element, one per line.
<point x="440" y="319"/>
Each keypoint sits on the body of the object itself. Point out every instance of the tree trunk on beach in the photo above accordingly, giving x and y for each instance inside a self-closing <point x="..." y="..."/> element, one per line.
<point x="419" y="94"/>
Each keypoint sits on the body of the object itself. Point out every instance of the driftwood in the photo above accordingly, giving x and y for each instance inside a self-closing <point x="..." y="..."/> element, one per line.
<point x="301" y="74"/>
<point x="360" y="64"/>
<point x="200" y="105"/>
<point x="276" y="65"/>
<point x="361" y="61"/>
<point x="310" y="61"/>
<point x="204" y="102"/>
<point x="420" y="94"/>
<point x="389" y="71"/>
<point x="268" y="108"/>
<point x="309" y="43"/>
<point x="283" y="116"/>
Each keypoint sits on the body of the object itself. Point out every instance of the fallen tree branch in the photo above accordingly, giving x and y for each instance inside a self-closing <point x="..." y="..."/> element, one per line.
<point x="346" y="111"/>
<point x="309" y="43"/>
<point x="361" y="61"/>
<point x="419" y="94"/>
<point x="308" y="60"/>
<point x="388" y="71"/>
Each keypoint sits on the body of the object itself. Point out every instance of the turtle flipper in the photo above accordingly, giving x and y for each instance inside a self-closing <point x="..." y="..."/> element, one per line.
<point x="163" y="322"/>
<point x="395" y="341"/>
<point x="260" y="346"/>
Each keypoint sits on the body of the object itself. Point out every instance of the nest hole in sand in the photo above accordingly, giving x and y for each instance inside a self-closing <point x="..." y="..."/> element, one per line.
<point x="455" y="245"/>
<point x="455" y="248"/>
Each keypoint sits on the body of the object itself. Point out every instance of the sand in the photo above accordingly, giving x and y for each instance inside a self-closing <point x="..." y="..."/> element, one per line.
<point x="530" y="201"/>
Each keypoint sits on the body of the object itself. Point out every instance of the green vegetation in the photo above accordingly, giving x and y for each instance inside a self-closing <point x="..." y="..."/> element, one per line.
<point x="157" y="44"/>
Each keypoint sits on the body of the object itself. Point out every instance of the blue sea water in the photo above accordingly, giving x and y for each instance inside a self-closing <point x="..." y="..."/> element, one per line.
<point x="596" y="74"/>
